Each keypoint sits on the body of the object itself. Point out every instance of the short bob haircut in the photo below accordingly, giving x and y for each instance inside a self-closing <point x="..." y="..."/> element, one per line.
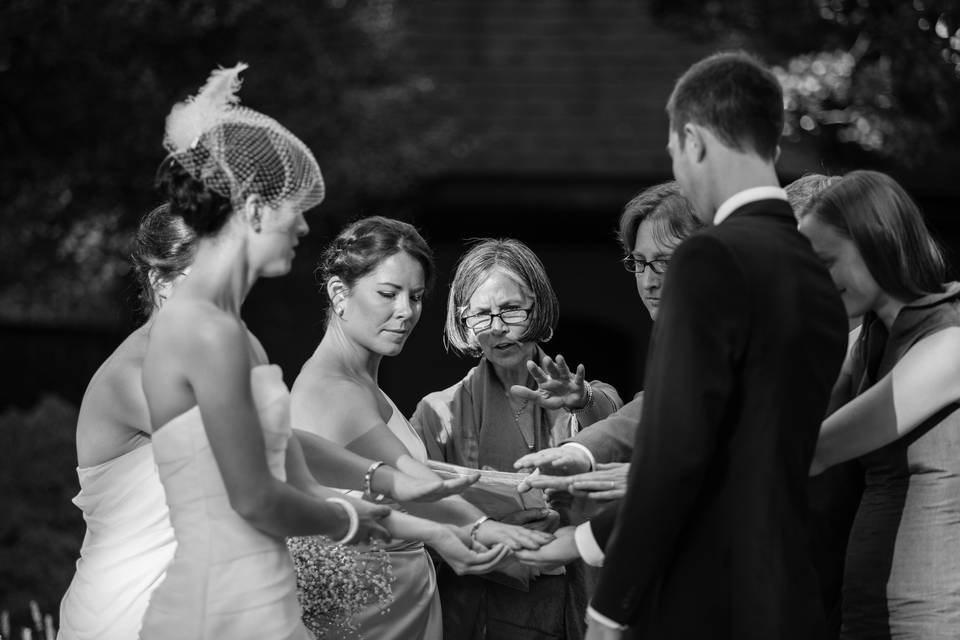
<point x="801" y="190"/>
<point x="364" y="244"/>
<point x="734" y="96"/>
<point x="888" y="230"/>
<point x="671" y="217"/>
<point x="518" y="262"/>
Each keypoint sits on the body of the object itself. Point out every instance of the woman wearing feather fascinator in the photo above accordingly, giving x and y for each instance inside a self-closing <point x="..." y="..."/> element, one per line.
<point x="236" y="482"/>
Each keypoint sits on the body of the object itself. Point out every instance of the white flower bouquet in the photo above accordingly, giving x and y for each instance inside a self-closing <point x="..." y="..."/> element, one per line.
<point x="336" y="582"/>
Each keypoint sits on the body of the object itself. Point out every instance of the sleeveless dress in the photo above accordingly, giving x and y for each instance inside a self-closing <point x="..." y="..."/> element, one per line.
<point x="128" y="544"/>
<point x="902" y="571"/>
<point x="227" y="579"/>
<point x="414" y="608"/>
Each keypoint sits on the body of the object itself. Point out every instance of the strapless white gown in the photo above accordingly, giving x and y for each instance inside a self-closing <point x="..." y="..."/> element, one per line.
<point x="227" y="579"/>
<point x="127" y="547"/>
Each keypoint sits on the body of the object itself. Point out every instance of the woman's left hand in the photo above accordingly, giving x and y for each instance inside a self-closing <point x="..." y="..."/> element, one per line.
<point x="557" y="387"/>
<point x="410" y="489"/>
<point x="465" y="555"/>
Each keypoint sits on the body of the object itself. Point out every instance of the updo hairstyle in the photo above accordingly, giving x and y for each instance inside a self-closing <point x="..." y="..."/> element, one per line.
<point x="163" y="249"/>
<point x="364" y="244"/>
<point x="203" y="189"/>
<point x="202" y="209"/>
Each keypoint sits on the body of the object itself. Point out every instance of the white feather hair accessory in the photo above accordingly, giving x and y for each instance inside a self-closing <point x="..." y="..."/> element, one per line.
<point x="190" y="118"/>
<point x="236" y="151"/>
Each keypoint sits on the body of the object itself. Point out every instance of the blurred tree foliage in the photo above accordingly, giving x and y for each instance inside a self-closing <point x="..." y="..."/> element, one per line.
<point x="85" y="88"/>
<point x="873" y="81"/>
<point x="40" y="531"/>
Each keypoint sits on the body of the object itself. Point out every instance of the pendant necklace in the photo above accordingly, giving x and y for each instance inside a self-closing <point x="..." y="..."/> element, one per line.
<point x="516" y="419"/>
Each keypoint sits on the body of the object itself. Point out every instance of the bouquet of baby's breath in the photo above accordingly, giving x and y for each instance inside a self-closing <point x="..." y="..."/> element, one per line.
<point x="336" y="582"/>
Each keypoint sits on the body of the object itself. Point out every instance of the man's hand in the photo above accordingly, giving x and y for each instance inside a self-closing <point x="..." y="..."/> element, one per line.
<point x="563" y="550"/>
<point x="608" y="482"/>
<point x="555" y="461"/>
<point x="597" y="631"/>
<point x="536" y="519"/>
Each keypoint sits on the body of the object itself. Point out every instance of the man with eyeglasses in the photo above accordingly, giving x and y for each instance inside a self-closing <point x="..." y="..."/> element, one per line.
<point x="652" y="226"/>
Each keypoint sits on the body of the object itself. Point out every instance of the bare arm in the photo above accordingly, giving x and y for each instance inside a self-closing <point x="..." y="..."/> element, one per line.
<point x="924" y="381"/>
<point x="203" y="352"/>
<point x="353" y="418"/>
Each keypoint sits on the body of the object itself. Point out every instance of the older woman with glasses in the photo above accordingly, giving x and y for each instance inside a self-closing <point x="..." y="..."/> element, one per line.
<point x="500" y="307"/>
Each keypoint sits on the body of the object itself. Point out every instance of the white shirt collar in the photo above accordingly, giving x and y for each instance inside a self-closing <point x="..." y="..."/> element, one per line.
<point x="741" y="198"/>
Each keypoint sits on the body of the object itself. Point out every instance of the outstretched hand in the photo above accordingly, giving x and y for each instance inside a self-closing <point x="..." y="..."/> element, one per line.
<point x="557" y="387"/>
<point x="555" y="461"/>
<point x="465" y="555"/>
<point x="608" y="482"/>
<point x="492" y="532"/>
<point x="409" y="489"/>
<point x="562" y="550"/>
<point x="536" y="519"/>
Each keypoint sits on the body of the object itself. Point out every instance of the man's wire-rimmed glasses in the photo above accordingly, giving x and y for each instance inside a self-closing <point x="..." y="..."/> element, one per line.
<point x="637" y="265"/>
<point x="483" y="321"/>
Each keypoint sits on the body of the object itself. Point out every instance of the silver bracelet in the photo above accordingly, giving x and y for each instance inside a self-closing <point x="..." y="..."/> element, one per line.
<point x="352" y="515"/>
<point x="587" y="404"/>
<point x="476" y="525"/>
<point x="368" y="483"/>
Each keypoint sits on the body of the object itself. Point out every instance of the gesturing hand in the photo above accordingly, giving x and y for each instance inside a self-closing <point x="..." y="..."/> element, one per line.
<point x="409" y="489"/>
<point x="556" y="386"/>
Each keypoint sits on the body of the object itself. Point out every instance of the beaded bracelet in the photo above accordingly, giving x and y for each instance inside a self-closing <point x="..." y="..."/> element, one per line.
<point x="354" y="525"/>
<point x="476" y="525"/>
<point x="368" y="483"/>
<point x="587" y="404"/>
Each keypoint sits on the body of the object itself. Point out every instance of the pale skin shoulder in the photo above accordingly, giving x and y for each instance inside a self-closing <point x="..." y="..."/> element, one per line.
<point x="925" y="380"/>
<point x="355" y="415"/>
<point x="200" y="355"/>
<point x="113" y="417"/>
<point x="335" y="406"/>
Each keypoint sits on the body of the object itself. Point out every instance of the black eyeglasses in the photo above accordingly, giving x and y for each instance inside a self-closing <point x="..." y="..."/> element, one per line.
<point x="483" y="321"/>
<point x="636" y="265"/>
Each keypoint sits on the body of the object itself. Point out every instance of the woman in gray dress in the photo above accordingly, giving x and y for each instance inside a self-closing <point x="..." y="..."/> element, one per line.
<point x="895" y="409"/>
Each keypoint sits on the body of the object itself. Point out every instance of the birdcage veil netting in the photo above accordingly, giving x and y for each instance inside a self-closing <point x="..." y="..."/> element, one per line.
<point x="237" y="152"/>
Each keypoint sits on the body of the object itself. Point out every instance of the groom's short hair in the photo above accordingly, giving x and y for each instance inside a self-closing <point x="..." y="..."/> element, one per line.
<point x="734" y="96"/>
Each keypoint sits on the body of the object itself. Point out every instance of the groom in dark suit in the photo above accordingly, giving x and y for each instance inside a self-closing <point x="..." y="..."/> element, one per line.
<point x="710" y="539"/>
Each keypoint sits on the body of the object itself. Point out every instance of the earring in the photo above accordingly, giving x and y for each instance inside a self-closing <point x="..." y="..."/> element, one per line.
<point x="256" y="224"/>
<point x="339" y="311"/>
<point x="549" y="336"/>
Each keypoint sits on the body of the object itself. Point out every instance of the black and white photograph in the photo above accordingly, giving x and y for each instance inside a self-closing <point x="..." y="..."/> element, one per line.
<point x="463" y="320"/>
